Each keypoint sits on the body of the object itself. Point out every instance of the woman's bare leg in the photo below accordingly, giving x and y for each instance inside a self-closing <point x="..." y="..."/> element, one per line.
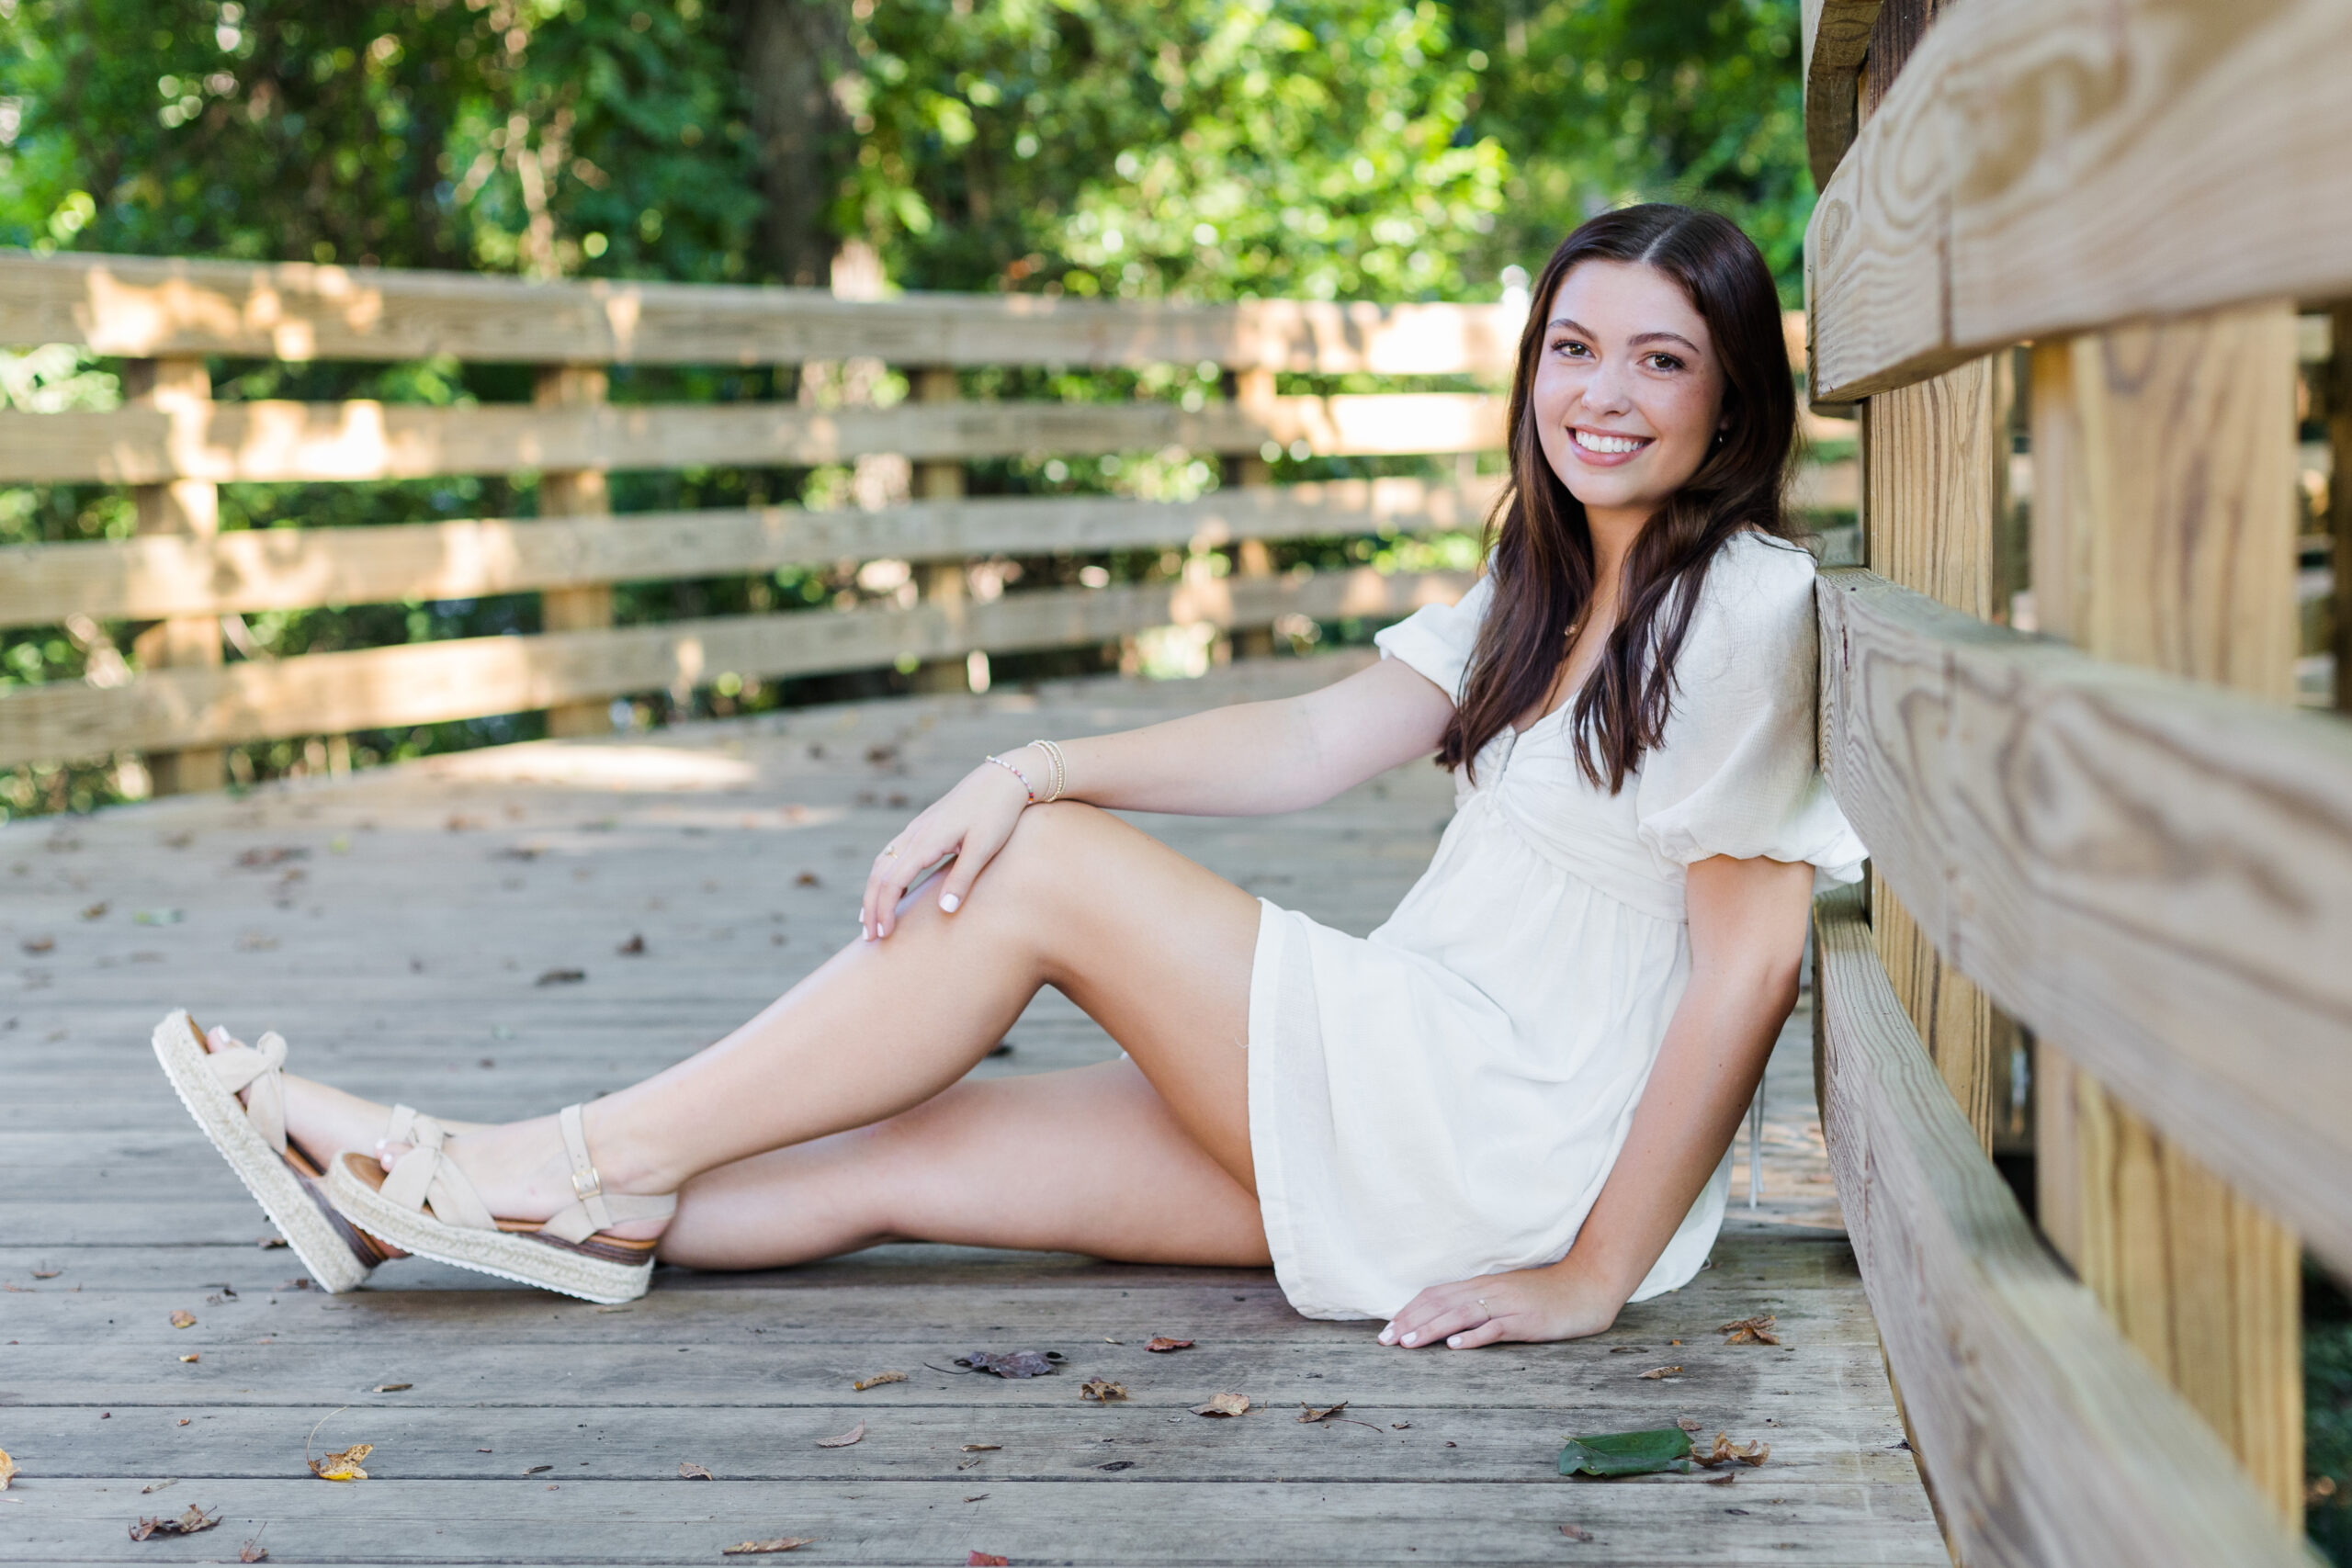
<point x="1155" y="948"/>
<point x="1089" y="1160"/>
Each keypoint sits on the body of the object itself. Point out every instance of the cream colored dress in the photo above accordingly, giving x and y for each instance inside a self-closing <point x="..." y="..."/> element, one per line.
<point x="1444" y="1098"/>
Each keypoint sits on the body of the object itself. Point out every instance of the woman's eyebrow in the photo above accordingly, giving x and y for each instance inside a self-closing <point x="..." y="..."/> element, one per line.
<point x="1635" y="340"/>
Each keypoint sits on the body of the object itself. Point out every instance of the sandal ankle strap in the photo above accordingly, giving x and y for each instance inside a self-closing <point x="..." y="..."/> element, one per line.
<point x="596" y="1208"/>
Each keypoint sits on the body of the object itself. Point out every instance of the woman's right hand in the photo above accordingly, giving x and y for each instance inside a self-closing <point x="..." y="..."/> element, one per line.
<point x="970" y="822"/>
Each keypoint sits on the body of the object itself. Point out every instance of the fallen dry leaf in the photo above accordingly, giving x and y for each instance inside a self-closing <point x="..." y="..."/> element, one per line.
<point x="1726" y="1479"/>
<point x="1688" y="1422"/>
<point x="47" y="1273"/>
<point x="806" y="879"/>
<point x="1754" y="1330"/>
<point x="393" y="1387"/>
<point x="1013" y="1364"/>
<point x="270" y="1243"/>
<point x="1103" y="1392"/>
<point x="987" y="1560"/>
<point x="982" y="1448"/>
<point x="1656" y="1372"/>
<point x="633" y="947"/>
<point x="1575" y="1532"/>
<point x="158" y="1485"/>
<point x="689" y="1471"/>
<point x="37" y="945"/>
<point x="1224" y="1405"/>
<point x="855" y="1434"/>
<point x="781" y="1543"/>
<point x="1310" y="1413"/>
<point x="187" y="1523"/>
<point x="539" y="1470"/>
<point x="253" y="1551"/>
<point x="560" y="978"/>
<point x="343" y="1464"/>
<point x="7" y="1469"/>
<point x="95" y="912"/>
<point x="183" y="1318"/>
<point x="191" y="1356"/>
<point x="1162" y="1345"/>
<point x="876" y="1381"/>
<point x="1725" y="1451"/>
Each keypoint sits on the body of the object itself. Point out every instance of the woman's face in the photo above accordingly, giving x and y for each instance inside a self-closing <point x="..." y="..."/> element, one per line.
<point x="1628" y="393"/>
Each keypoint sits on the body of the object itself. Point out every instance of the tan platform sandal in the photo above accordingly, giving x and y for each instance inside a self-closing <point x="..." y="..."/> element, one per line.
<point x="251" y="1135"/>
<point x="569" y="1253"/>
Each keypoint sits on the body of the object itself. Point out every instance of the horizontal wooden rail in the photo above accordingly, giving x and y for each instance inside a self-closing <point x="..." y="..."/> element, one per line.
<point x="149" y="307"/>
<point x="2043" y="166"/>
<point x="468" y="678"/>
<point x="155" y="577"/>
<point x="2150" y="870"/>
<point x="226" y="442"/>
<point x="2046" y="1438"/>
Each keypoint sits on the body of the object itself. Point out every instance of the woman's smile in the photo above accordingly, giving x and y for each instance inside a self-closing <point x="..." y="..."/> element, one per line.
<point x="1606" y="448"/>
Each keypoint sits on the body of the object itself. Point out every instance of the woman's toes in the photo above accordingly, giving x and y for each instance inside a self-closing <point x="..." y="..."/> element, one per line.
<point x="388" y="1154"/>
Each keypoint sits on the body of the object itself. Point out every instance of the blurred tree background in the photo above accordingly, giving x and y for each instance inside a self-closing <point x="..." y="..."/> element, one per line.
<point x="1186" y="149"/>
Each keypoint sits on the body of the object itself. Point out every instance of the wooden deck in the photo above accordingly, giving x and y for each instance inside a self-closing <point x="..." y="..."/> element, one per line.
<point x="398" y="928"/>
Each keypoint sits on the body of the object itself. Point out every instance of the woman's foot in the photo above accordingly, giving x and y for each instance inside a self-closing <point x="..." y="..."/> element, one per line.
<point x="321" y="1122"/>
<point x="522" y="1170"/>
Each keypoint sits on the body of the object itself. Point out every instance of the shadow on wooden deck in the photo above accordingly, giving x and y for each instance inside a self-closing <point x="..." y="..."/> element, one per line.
<point x="396" y="927"/>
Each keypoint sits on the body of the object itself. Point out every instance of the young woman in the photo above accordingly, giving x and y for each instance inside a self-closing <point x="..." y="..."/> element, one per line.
<point x="1501" y="1116"/>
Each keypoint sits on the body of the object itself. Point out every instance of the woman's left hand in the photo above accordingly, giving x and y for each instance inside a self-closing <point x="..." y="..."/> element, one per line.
<point x="1529" y="1305"/>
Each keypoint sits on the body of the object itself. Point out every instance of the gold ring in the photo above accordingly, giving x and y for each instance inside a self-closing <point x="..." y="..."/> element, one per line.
<point x="1482" y="1301"/>
<point x="889" y="853"/>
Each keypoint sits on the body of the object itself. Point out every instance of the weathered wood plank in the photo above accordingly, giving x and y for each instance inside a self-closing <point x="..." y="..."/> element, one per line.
<point x="422" y="682"/>
<point x="362" y="440"/>
<point x="148" y="306"/>
<point x="2154" y="872"/>
<point x="1648" y="1520"/>
<point x="2031" y="1411"/>
<point x="2041" y="167"/>
<point x="150" y="577"/>
<point x="1836" y="32"/>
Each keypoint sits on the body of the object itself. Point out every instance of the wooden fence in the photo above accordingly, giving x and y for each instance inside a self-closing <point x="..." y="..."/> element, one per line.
<point x="174" y="445"/>
<point x="2115" y="845"/>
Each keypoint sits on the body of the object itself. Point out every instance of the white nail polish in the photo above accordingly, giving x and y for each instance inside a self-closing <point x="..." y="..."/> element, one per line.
<point x="1454" y="1343"/>
<point x="949" y="902"/>
<point x="1411" y="1337"/>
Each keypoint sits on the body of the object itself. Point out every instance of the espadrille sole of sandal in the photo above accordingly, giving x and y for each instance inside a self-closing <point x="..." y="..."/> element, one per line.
<point x="299" y="1210"/>
<point x="355" y="1186"/>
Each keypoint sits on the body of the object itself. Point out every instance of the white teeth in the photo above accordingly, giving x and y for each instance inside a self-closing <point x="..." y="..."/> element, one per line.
<point x="1592" y="442"/>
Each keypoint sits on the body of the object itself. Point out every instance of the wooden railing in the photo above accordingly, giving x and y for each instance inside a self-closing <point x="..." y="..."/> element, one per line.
<point x="2130" y="854"/>
<point x="174" y="445"/>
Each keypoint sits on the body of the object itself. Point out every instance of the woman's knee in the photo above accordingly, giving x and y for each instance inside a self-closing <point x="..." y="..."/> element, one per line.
<point x="1051" y="845"/>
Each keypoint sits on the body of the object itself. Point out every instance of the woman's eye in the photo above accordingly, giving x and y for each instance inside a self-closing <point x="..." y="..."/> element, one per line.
<point x="1572" y="348"/>
<point x="1664" y="362"/>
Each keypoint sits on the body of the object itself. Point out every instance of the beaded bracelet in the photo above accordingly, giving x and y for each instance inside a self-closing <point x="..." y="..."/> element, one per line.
<point x="1027" y="788"/>
<point x="1060" y="766"/>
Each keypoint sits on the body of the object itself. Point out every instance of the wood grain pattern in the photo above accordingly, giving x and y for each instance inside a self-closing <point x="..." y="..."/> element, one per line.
<point x="143" y="305"/>
<point x="1936" y="456"/>
<point x="464" y="677"/>
<point x="571" y="492"/>
<point x="2037" y="1423"/>
<point x="2048" y="165"/>
<point x="360" y="440"/>
<point x="2152" y="870"/>
<point x="1835" y="34"/>
<point x="2339" y="499"/>
<point x="273" y="569"/>
<point x="2165" y="538"/>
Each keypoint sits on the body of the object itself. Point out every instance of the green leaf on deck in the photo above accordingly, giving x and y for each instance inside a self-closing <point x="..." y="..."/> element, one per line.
<point x="1627" y="1453"/>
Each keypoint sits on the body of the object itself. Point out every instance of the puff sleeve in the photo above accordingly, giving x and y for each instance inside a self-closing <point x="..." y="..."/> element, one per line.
<point x="1438" y="639"/>
<point x="1735" y="774"/>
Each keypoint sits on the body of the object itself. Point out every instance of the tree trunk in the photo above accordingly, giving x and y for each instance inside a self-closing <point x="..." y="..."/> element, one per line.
<point x="794" y="50"/>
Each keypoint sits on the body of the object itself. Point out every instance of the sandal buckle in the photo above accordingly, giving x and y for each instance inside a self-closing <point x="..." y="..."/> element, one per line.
<point x="586" y="1184"/>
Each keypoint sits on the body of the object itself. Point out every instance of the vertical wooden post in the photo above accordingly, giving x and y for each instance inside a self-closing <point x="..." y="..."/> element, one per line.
<point x="941" y="581"/>
<point x="2339" y="498"/>
<point x="574" y="492"/>
<point x="181" y="506"/>
<point x="1250" y="470"/>
<point x="1935" y="474"/>
<point x="2164" y="536"/>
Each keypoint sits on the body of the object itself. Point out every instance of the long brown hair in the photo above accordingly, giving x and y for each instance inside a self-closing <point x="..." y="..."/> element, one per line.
<point x="1538" y="543"/>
